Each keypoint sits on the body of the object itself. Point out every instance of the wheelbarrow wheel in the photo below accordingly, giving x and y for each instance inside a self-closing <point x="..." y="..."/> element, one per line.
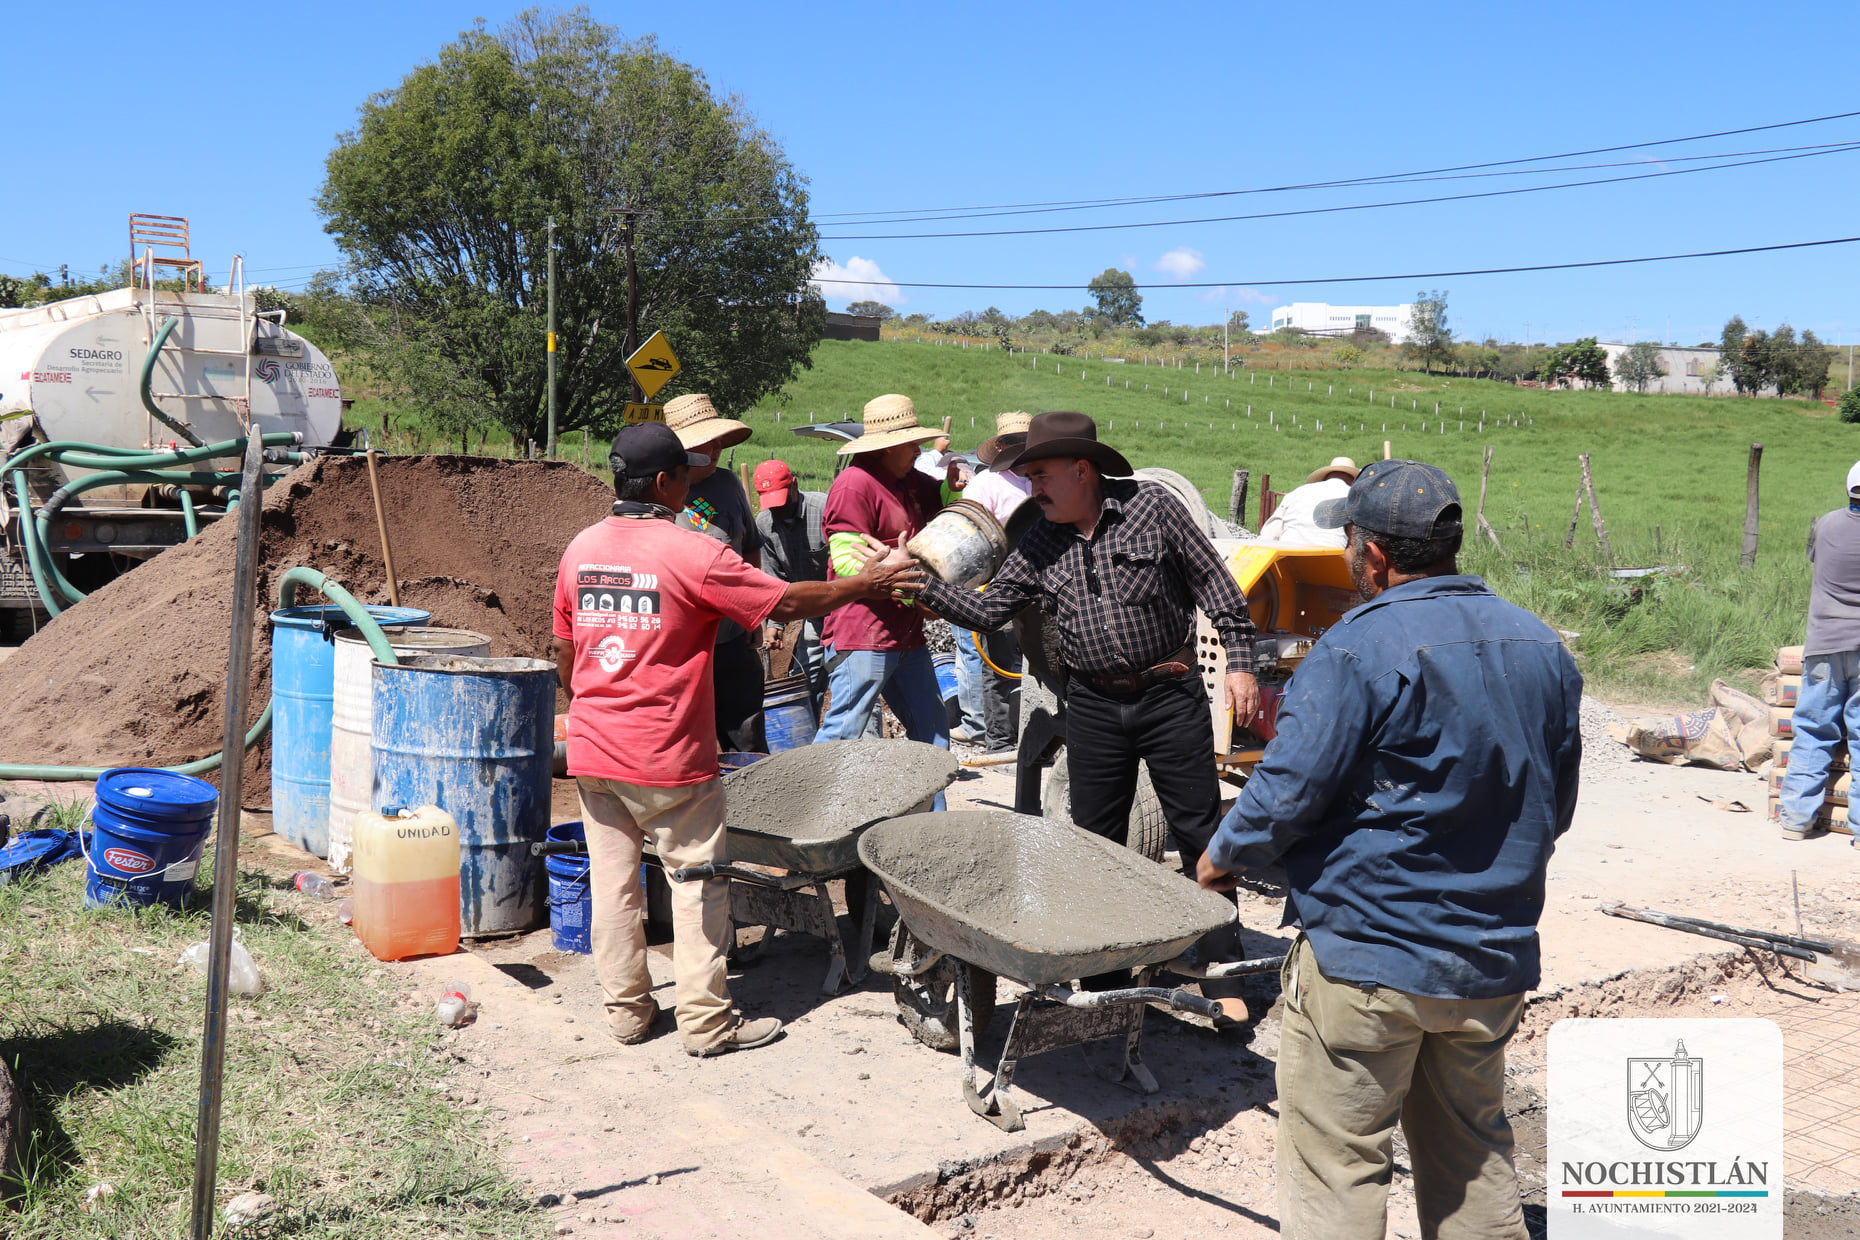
<point x="1147" y="832"/>
<point x="927" y="1002"/>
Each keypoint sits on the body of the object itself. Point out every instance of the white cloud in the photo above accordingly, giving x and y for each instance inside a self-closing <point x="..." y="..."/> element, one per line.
<point x="1238" y="295"/>
<point x="859" y="280"/>
<point x="1181" y="263"/>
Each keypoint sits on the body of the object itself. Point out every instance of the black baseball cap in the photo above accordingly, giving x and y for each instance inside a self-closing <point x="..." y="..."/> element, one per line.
<point x="1403" y="499"/>
<point x="648" y="449"/>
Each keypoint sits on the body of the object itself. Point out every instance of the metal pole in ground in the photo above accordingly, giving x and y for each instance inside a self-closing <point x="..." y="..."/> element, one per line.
<point x="226" y="841"/>
<point x="551" y="452"/>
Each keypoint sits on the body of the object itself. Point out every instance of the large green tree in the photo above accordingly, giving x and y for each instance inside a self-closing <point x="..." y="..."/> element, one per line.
<point x="441" y="195"/>
<point x="1583" y="360"/>
<point x="1119" y="302"/>
<point x="1429" y="340"/>
<point x="1640" y="365"/>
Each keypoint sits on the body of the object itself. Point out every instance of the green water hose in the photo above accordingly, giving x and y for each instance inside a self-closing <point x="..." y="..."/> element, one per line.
<point x="148" y="372"/>
<point x="48" y="512"/>
<point x="287" y="597"/>
<point x="189" y="520"/>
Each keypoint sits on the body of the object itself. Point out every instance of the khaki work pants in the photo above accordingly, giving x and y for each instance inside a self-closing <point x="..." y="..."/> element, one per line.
<point x="686" y="826"/>
<point x="1351" y="1063"/>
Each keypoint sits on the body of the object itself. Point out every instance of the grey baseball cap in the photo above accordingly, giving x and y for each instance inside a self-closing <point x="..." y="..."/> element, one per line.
<point x="1403" y="499"/>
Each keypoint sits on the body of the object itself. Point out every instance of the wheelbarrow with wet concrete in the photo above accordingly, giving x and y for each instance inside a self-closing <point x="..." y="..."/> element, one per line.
<point x="988" y="894"/>
<point x="794" y="822"/>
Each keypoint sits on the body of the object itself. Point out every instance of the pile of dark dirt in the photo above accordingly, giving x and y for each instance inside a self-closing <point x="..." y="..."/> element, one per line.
<point x="135" y="674"/>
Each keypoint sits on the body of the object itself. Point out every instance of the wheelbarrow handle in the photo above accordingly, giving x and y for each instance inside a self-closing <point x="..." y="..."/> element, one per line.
<point x="557" y="848"/>
<point x="755" y="878"/>
<point x="1178" y="1000"/>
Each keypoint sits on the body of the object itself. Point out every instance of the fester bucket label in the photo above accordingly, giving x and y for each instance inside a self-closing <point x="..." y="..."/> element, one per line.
<point x="1665" y="1128"/>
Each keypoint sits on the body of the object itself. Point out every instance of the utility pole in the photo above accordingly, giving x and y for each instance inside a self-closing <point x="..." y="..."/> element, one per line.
<point x="551" y="448"/>
<point x="632" y="294"/>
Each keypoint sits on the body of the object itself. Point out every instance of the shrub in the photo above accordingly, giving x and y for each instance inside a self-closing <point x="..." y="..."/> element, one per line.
<point x="1850" y="405"/>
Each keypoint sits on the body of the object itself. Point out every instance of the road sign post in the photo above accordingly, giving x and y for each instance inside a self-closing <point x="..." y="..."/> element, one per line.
<point x="653" y="365"/>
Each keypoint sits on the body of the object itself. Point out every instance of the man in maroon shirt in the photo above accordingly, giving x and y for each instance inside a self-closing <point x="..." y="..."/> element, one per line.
<point x="877" y="646"/>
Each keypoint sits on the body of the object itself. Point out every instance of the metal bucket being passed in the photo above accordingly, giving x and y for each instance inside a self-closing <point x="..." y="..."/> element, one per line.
<point x="963" y="545"/>
<point x="351" y="766"/>
<point x="303" y="680"/>
<point x="474" y="737"/>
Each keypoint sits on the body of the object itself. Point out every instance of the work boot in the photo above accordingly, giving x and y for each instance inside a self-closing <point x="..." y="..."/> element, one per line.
<point x="1797" y="833"/>
<point x="747" y="1035"/>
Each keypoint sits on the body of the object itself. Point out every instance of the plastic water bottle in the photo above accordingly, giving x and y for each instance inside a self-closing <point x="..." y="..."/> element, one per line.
<point x="316" y="885"/>
<point x="454" y="1006"/>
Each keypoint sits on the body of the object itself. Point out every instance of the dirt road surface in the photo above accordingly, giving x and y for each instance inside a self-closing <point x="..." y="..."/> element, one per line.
<point x="815" y="1135"/>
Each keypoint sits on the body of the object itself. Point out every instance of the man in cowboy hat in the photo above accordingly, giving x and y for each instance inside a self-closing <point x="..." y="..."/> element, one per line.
<point x="1121" y="566"/>
<point x="636" y="601"/>
<point x="1001" y="492"/>
<point x="876" y="646"/>
<point x="716" y="505"/>
<point x="1292" y="523"/>
<point x="1427" y="758"/>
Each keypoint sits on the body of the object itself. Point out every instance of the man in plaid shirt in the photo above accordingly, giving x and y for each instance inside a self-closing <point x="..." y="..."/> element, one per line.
<point x="1121" y="568"/>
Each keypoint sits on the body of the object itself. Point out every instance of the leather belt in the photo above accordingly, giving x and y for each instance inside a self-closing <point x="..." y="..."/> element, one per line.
<point x="1136" y="682"/>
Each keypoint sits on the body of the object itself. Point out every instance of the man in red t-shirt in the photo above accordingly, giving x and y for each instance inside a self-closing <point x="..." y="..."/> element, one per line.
<point x="877" y="646"/>
<point x="637" y="604"/>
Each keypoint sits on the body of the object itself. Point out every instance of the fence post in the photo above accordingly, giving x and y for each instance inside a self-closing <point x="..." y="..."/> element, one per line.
<point x="1569" y="539"/>
<point x="1482" y="523"/>
<point x="1749" y="556"/>
<point x="1595" y="511"/>
<point x="1236" y="502"/>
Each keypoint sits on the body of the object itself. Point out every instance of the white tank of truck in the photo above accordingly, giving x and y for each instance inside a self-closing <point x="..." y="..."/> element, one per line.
<point x="77" y="366"/>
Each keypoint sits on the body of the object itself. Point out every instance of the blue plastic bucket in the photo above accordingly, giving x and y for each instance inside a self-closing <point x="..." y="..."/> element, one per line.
<point x="571" y="901"/>
<point x="475" y="737"/>
<point x="149" y="827"/>
<point x="788" y="714"/>
<point x="303" y="691"/>
<point x="727" y="762"/>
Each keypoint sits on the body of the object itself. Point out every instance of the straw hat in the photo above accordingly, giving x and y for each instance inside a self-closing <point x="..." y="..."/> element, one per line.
<point x="1014" y="423"/>
<point x="696" y="422"/>
<point x="1338" y="465"/>
<point x="889" y="421"/>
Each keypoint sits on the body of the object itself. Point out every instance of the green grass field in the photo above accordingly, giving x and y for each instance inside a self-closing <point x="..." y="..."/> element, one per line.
<point x="1669" y="473"/>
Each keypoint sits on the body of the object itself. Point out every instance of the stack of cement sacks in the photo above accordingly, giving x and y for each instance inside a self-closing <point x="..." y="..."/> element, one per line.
<point x="1779" y="691"/>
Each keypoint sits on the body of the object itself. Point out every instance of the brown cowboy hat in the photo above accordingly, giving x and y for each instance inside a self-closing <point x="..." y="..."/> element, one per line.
<point x="1064" y="434"/>
<point x="1006" y="424"/>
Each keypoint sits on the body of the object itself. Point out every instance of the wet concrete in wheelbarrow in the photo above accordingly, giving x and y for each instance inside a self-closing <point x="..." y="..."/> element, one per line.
<point x="794" y="1138"/>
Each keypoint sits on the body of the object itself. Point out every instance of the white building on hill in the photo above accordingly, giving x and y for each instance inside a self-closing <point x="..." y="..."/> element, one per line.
<point x="1323" y="319"/>
<point x="1687" y="371"/>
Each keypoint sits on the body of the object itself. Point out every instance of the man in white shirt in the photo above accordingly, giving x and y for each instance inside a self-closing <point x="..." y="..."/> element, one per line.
<point x="1292" y="523"/>
<point x="1001" y="493"/>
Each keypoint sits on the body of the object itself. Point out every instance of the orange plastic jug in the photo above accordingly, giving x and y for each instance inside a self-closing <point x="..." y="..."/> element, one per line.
<point x="406" y="880"/>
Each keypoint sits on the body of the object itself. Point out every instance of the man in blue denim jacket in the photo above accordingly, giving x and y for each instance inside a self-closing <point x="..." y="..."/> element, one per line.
<point x="1426" y="760"/>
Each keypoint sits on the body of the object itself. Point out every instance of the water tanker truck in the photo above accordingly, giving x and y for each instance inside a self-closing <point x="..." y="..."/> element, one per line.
<point x="122" y="416"/>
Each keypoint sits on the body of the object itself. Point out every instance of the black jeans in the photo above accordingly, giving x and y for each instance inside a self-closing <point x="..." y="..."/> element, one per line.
<point x="736" y="674"/>
<point x="1000" y="694"/>
<point x="1169" y="726"/>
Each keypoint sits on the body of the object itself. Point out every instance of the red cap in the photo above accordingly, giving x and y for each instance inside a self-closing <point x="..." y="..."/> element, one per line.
<point x="773" y="481"/>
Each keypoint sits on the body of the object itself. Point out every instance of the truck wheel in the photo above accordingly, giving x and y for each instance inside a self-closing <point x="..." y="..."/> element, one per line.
<point x="1147" y="832"/>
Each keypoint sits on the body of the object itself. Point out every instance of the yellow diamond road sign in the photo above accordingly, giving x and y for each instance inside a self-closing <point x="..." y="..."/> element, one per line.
<point x="653" y="364"/>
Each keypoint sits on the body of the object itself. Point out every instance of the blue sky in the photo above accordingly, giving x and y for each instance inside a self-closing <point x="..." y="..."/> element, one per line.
<point x="890" y="108"/>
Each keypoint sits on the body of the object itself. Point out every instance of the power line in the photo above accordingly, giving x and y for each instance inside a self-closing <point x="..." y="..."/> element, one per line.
<point x="1363" y="180"/>
<point x="1362" y="206"/>
<point x="1415" y="275"/>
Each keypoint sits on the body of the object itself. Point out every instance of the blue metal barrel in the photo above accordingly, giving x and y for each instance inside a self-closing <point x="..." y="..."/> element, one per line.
<point x="475" y="737"/>
<point x="303" y="688"/>
<point x="788" y="713"/>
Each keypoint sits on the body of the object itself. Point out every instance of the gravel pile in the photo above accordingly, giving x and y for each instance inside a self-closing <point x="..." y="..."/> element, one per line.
<point x="1601" y="753"/>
